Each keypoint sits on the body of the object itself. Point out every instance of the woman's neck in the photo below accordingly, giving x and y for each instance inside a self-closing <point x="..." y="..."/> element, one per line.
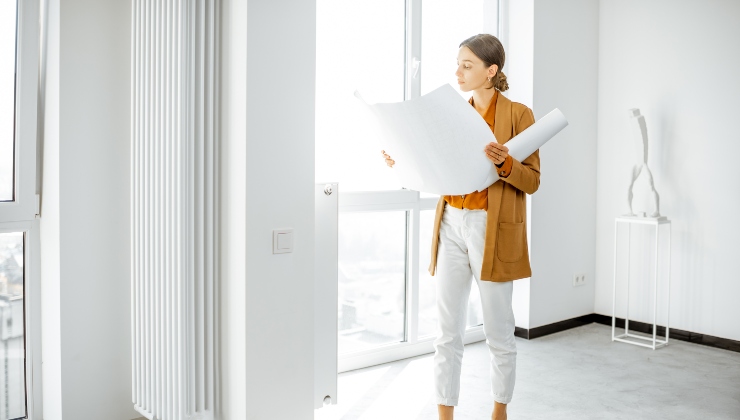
<point x="482" y="98"/>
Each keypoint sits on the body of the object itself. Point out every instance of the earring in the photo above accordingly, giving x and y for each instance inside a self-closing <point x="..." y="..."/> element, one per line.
<point x="489" y="79"/>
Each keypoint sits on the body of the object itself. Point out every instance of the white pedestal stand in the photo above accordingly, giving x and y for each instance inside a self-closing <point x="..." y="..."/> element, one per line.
<point x="633" y="338"/>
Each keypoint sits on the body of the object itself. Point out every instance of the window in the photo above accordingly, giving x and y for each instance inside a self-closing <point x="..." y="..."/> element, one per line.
<point x="427" y="291"/>
<point x="439" y="43"/>
<point x="388" y="50"/>
<point x="19" y="298"/>
<point x="12" y="329"/>
<point x="7" y="97"/>
<point x="372" y="279"/>
<point x="359" y="46"/>
<point x="19" y="60"/>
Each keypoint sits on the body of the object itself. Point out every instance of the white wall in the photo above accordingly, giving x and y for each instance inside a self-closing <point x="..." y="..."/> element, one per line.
<point x="267" y="330"/>
<point x="231" y="370"/>
<point x="85" y="214"/>
<point x="677" y="62"/>
<point x="279" y="185"/>
<point x="49" y="226"/>
<point x="565" y="74"/>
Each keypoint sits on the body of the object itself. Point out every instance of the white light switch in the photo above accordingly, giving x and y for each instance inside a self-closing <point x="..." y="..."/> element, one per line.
<point x="285" y="240"/>
<point x="282" y="241"/>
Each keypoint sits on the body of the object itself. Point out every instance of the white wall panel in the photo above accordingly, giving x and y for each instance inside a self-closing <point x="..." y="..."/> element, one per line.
<point x="562" y="212"/>
<point x="675" y="61"/>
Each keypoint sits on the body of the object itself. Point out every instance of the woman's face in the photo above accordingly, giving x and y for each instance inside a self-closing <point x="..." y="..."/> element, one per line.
<point x="471" y="72"/>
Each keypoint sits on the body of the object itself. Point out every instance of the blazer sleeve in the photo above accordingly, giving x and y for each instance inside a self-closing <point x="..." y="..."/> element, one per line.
<point x="525" y="175"/>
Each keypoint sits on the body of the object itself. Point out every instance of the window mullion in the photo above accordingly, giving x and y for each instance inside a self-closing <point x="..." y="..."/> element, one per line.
<point x="499" y="25"/>
<point x="412" y="289"/>
<point x="413" y="90"/>
<point x="413" y="50"/>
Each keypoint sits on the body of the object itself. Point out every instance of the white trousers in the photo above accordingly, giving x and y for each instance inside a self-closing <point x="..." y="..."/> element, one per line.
<point x="460" y="256"/>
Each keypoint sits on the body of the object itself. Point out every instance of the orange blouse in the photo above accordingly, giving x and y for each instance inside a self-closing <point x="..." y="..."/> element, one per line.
<point x="478" y="200"/>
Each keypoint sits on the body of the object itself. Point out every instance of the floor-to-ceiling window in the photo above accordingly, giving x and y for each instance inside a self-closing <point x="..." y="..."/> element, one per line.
<point x="8" y="13"/>
<point x="388" y="51"/>
<point x="19" y="54"/>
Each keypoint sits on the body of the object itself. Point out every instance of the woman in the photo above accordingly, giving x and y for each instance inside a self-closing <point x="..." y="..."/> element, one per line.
<point x="483" y="234"/>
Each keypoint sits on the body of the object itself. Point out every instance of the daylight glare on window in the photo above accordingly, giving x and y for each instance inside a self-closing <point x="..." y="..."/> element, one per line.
<point x="444" y="25"/>
<point x="7" y="96"/>
<point x="359" y="46"/>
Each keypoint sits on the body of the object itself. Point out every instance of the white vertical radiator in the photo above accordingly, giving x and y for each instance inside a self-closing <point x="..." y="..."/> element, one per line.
<point x="326" y="284"/>
<point x="173" y="51"/>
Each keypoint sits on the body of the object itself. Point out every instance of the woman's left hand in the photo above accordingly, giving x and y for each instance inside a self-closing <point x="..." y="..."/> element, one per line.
<point x="496" y="153"/>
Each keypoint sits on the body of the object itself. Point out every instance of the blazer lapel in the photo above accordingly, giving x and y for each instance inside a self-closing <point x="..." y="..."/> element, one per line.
<point x="503" y="126"/>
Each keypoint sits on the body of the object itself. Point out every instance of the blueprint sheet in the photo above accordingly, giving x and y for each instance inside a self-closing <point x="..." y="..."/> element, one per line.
<point x="438" y="141"/>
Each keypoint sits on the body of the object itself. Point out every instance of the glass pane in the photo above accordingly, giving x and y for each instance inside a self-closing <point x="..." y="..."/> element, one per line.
<point x="427" y="291"/>
<point x="7" y="97"/>
<point x="12" y="340"/>
<point x="444" y="25"/>
<point x="372" y="279"/>
<point x="359" y="45"/>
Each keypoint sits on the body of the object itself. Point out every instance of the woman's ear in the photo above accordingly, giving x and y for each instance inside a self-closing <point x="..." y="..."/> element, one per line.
<point x="492" y="70"/>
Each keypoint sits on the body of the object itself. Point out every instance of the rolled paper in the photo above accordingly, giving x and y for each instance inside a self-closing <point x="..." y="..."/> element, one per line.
<point x="528" y="141"/>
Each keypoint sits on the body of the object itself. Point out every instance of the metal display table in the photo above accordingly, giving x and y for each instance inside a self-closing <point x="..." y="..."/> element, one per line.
<point x="627" y="337"/>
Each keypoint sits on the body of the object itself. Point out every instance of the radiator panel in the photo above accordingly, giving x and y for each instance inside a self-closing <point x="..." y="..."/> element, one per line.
<point x="173" y="53"/>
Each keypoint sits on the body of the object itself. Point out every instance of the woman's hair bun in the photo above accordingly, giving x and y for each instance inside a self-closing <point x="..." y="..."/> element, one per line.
<point x="500" y="83"/>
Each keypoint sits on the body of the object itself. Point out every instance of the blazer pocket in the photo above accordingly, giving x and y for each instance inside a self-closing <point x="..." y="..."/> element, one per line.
<point x="510" y="242"/>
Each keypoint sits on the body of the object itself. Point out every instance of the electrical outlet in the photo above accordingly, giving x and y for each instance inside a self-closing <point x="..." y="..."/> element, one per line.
<point x="579" y="279"/>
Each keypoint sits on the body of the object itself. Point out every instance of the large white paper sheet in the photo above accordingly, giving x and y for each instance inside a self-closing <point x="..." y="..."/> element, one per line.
<point x="438" y="142"/>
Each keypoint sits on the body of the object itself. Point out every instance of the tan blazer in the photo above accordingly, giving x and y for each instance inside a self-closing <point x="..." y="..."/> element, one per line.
<point x="505" y="254"/>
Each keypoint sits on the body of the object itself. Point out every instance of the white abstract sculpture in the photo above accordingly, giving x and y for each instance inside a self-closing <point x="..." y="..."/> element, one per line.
<point x="640" y="142"/>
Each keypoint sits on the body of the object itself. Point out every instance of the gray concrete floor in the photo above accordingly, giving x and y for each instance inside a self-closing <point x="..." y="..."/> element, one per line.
<point x="574" y="374"/>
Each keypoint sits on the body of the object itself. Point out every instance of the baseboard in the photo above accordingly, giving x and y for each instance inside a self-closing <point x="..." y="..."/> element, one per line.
<point x="553" y="328"/>
<point x="676" y="334"/>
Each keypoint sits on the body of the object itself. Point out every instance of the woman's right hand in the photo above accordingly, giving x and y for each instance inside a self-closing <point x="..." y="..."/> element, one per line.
<point x="388" y="161"/>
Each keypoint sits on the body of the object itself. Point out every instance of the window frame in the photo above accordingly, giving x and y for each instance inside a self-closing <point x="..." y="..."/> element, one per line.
<point x="25" y="202"/>
<point x="31" y="310"/>
<point x="21" y="214"/>
<point x="412" y="202"/>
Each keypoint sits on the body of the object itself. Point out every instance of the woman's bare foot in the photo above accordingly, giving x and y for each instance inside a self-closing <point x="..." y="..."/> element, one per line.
<point x="499" y="411"/>
<point x="445" y="412"/>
